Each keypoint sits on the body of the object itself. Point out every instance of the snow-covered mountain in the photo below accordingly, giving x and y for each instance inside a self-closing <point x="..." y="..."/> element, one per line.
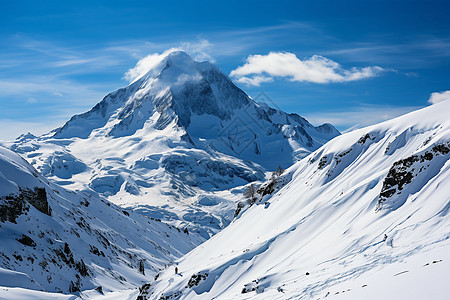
<point x="365" y="215"/>
<point x="174" y="144"/>
<point x="56" y="240"/>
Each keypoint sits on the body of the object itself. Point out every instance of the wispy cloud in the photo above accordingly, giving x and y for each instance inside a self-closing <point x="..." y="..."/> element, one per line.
<point x="414" y="52"/>
<point x="145" y="64"/>
<point x="48" y="87"/>
<point x="439" y="97"/>
<point x="11" y="129"/>
<point x="316" y="69"/>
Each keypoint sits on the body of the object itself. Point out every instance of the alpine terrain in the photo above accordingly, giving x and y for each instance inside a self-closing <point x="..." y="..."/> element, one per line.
<point x="176" y="144"/>
<point x="366" y="216"/>
<point x="180" y="186"/>
<point x="56" y="240"/>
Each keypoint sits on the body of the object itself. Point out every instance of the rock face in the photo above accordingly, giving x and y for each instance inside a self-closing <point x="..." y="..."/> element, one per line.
<point x="399" y="182"/>
<point x="12" y="206"/>
<point x="180" y="132"/>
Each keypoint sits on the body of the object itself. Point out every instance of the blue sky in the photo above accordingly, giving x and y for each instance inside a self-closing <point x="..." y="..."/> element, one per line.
<point x="350" y="63"/>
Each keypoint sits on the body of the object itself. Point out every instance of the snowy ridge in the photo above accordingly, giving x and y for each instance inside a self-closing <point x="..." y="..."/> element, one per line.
<point x="181" y="135"/>
<point x="56" y="240"/>
<point x="373" y="201"/>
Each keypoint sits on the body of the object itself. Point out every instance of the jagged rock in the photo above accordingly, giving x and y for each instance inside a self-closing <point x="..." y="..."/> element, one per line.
<point x="196" y="279"/>
<point x="27" y="241"/>
<point x="403" y="172"/>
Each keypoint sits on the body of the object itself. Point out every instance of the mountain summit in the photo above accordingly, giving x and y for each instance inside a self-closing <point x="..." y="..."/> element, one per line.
<point x="181" y="132"/>
<point x="199" y="99"/>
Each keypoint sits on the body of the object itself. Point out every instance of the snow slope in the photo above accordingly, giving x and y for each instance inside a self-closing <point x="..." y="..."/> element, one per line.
<point x="56" y="240"/>
<point x="174" y="144"/>
<point x="368" y="211"/>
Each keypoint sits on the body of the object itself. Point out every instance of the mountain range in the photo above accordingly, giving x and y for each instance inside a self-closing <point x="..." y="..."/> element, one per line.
<point x="181" y="186"/>
<point x="174" y="145"/>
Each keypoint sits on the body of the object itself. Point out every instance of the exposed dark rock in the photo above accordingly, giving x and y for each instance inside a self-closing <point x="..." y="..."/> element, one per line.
<point x="18" y="257"/>
<point x="94" y="250"/>
<point x="141" y="267"/>
<point x="403" y="171"/>
<point x="82" y="269"/>
<point x="144" y="292"/>
<point x="441" y="148"/>
<point x="322" y="162"/>
<point x="11" y="207"/>
<point x="27" y="241"/>
<point x="37" y="198"/>
<point x="364" y="138"/>
<point x="239" y="208"/>
<point x="175" y="295"/>
<point x="250" y="287"/>
<point x="99" y="289"/>
<point x="196" y="279"/>
<point x="339" y="156"/>
<point x="74" y="287"/>
<point x="67" y="249"/>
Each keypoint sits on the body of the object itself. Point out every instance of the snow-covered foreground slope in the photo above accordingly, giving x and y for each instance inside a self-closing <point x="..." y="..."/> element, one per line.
<point x="361" y="210"/>
<point x="174" y="144"/>
<point x="56" y="240"/>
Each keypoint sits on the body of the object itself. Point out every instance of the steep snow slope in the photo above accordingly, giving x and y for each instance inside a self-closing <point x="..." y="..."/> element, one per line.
<point x="61" y="241"/>
<point x="373" y="201"/>
<point x="173" y="143"/>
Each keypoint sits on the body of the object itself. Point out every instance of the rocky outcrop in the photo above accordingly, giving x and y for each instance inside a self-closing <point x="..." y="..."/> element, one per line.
<point x="12" y="206"/>
<point x="403" y="172"/>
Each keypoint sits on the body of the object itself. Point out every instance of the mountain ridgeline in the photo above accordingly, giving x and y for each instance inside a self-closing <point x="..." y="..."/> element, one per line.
<point x="177" y="138"/>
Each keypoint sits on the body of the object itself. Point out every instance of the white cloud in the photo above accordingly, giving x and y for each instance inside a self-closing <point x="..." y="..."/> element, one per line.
<point x="198" y="50"/>
<point x="146" y="64"/>
<point x="317" y="69"/>
<point x="438" y="97"/>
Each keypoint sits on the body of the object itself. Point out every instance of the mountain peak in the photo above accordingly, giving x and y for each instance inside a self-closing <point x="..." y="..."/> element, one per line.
<point x="179" y="56"/>
<point x="173" y="64"/>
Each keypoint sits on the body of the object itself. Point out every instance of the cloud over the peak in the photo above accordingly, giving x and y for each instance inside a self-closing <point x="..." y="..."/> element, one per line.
<point x="145" y="64"/>
<point x="317" y="69"/>
<point x="438" y="97"/>
<point x="198" y="50"/>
